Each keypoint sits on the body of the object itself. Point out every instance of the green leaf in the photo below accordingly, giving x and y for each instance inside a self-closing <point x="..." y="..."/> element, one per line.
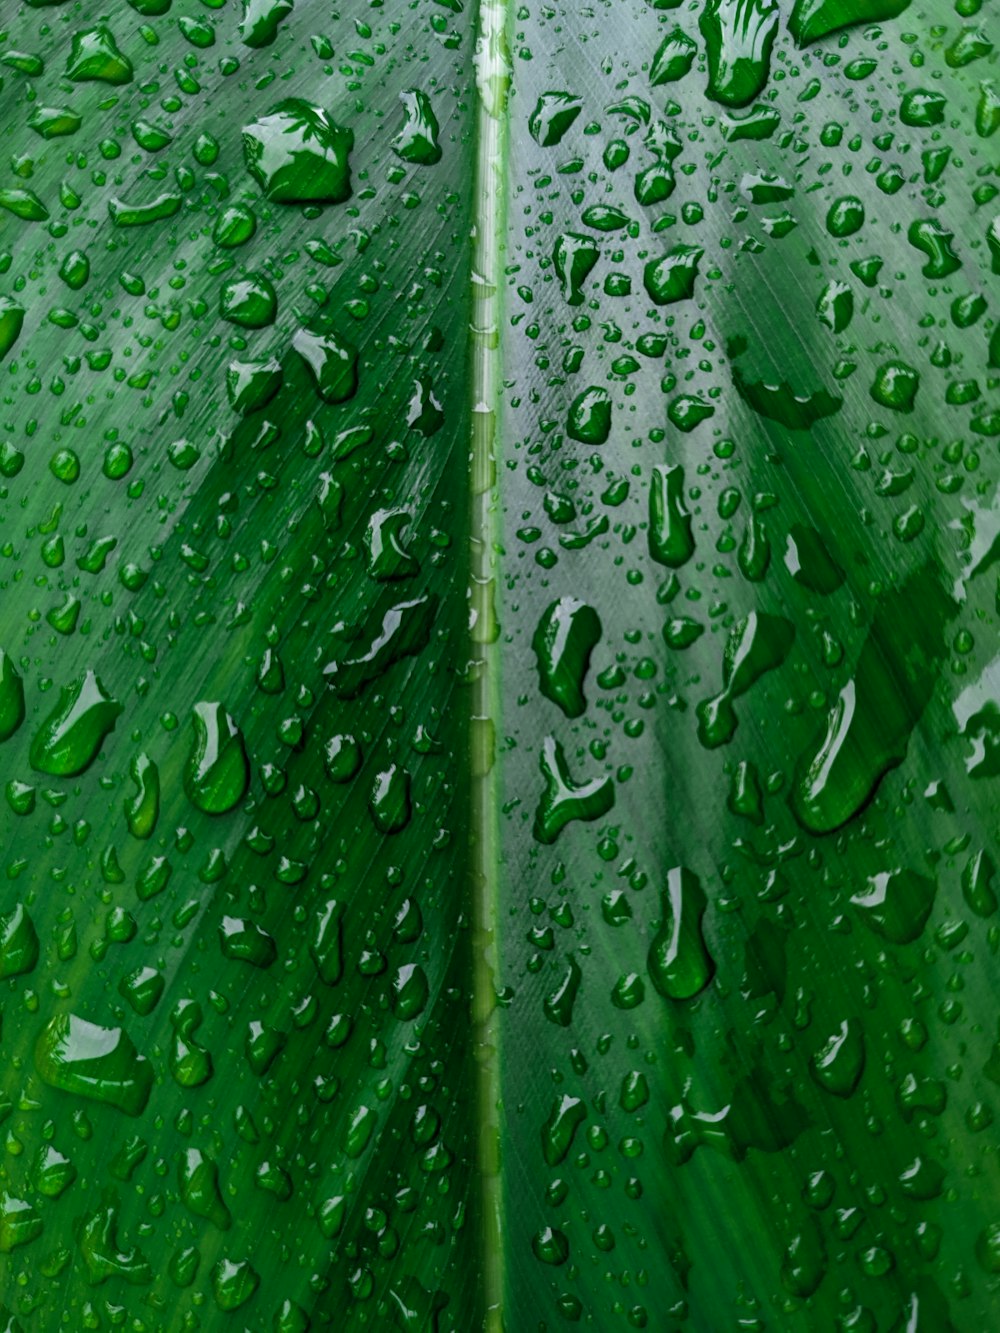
<point x="498" y="687"/>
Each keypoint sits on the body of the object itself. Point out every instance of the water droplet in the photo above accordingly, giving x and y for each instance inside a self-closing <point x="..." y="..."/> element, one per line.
<point x="679" y="962"/>
<point x="869" y="726"/>
<point x="97" y="1062"/>
<point x="837" y="1066"/>
<point x="53" y="1173"/>
<point x="671" y="277"/>
<point x="261" y="20"/>
<point x="332" y="361"/>
<point x="233" y="1283"/>
<point x="567" y="1115"/>
<point x="410" y="991"/>
<point x="250" y="385"/>
<point x="11" y="698"/>
<point x="673" y="59"/>
<point x="18" y="942"/>
<point x="326" y="941"/>
<point x="589" y="416"/>
<point x="359" y="1131"/>
<point x="563" y="641"/>
<point x="390" y="800"/>
<point x="812" y="19"/>
<point x="20" y="1223"/>
<point x="558" y="1006"/>
<point x="895" y="386"/>
<point x="550" y="1246"/>
<point x="199" y="1184"/>
<point x="143" y="809"/>
<point x="11" y="323"/>
<point x="71" y="737"/>
<point x="977" y="884"/>
<point x="563" y="800"/>
<point x="739" y="35"/>
<point x="809" y="562"/>
<point x="217" y="773"/>
<point x="404" y="632"/>
<point x="250" y="301"/>
<point x="417" y="141"/>
<point x="190" y="1064"/>
<point x="671" y="540"/>
<point x="574" y="256"/>
<point x="896" y="904"/>
<point x="932" y="239"/>
<point x="246" y="941"/>
<point x="554" y="113"/>
<point x="95" y="57"/>
<point x="298" y="155"/>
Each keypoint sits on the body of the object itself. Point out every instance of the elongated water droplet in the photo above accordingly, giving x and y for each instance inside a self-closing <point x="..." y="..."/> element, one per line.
<point x="739" y="35"/>
<point x="11" y="323"/>
<point x="18" y="942"/>
<point x="11" y="698"/>
<point x="390" y="800"/>
<point x="671" y="540"/>
<point x="199" y="1182"/>
<point x="837" y="1066"/>
<point x="410" y="991"/>
<point x="574" y="256"/>
<point x="679" y="963"/>
<point x="558" y="1005"/>
<point x="565" y="1118"/>
<point x="870" y="724"/>
<point x="977" y="884"/>
<point x="563" y="642"/>
<point x="142" y="810"/>
<point x="217" y="773"/>
<point x="102" y="1253"/>
<point x="417" y="141"/>
<point x="404" y="631"/>
<point x="326" y="941"/>
<point x="190" y="1064"/>
<point x="69" y="740"/>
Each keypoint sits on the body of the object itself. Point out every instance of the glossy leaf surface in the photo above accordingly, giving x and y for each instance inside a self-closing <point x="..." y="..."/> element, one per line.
<point x="497" y="689"/>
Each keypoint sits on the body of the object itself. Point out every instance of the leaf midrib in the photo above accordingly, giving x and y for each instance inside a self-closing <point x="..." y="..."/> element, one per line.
<point x="491" y="140"/>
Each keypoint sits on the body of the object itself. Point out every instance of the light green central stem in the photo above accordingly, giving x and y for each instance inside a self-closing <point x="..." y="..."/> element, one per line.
<point x="493" y="82"/>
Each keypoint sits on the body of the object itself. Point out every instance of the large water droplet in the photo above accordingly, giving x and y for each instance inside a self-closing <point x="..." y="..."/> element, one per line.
<point x="298" y="155"/>
<point x="563" y="642"/>
<point x="679" y="963"/>
<point x="96" y="1062"/>
<point x="217" y="773"/>
<point x="69" y="740"/>
<point x="11" y="697"/>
